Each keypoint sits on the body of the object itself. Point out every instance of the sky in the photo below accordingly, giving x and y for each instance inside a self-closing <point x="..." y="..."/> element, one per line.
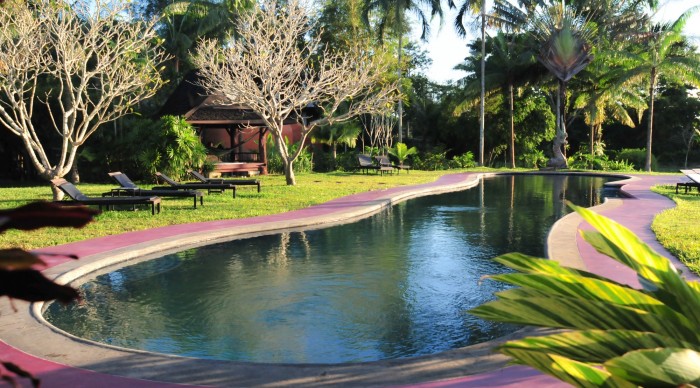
<point x="447" y="50"/>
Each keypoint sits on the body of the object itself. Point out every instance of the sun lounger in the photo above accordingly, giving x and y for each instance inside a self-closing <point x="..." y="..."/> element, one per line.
<point x="129" y="188"/>
<point x="210" y="187"/>
<point x="78" y="198"/>
<point x="385" y="162"/>
<point x="366" y="163"/>
<point x="694" y="177"/>
<point x="237" y="182"/>
<point x="385" y="165"/>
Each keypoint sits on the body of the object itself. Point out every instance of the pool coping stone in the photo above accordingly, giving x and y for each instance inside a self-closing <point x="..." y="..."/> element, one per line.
<point x="62" y="360"/>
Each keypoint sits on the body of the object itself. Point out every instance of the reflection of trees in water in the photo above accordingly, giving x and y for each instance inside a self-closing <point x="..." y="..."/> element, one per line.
<point x="560" y="185"/>
<point x="407" y="275"/>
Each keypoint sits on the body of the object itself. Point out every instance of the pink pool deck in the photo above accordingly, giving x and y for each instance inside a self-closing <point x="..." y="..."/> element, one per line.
<point x="452" y="370"/>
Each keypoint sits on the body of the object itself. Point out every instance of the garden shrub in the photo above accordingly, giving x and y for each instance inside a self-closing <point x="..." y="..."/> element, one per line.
<point x="534" y="159"/>
<point x="636" y="156"/>
<point x="172" y="148"/>
<point x="466" y="160"/>
<point x="619" y="165"/>
<point x="346" y="161"/>
<point x="584" y="160"/>
<point x="323" y="162"/>
<point x="275" y="165"/>
<point x="432" y="160"/>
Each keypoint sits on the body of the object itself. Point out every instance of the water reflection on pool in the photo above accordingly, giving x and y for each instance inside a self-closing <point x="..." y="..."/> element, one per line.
<point x="394" y="285"/>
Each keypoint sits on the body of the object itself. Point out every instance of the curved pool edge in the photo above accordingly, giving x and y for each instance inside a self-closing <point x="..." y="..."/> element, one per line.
<point x="20" y="330"/>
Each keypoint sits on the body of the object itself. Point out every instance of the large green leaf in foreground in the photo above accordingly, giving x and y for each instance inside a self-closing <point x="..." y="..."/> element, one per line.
<point x="620" y="336"/>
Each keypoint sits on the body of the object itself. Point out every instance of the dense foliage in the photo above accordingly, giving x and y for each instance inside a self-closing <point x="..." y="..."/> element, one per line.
<point x="606" y="105"/>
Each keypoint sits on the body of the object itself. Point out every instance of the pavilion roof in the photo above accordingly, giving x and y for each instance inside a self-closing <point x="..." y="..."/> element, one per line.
<point x="190" y="100"/>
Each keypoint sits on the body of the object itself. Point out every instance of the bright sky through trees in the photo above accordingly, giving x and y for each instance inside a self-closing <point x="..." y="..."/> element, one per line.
<point x="447" y="49"/>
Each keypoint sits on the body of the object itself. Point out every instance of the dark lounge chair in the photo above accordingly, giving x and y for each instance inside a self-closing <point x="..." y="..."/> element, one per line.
<point x="694" y="177"/>
<point x="210" y="187"/>
<point x="78" y="198"/>
<point x="385" y="165"/>
<point x="129" y="188"/>
<point x="384" y="161"/>
<point x="237" y="182"/>
<point x="366" y="163"/>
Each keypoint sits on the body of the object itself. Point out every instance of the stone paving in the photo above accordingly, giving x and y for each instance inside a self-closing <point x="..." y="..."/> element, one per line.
<point x="62" y="361"/>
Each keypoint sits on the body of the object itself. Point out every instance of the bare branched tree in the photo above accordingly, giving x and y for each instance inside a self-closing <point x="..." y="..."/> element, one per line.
<point x="380" y="130"/>
<point x="87" y="63"/>
<point x="277" y="70"/>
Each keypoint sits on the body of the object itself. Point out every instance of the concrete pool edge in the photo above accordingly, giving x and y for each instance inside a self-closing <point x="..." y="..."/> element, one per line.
<point x="135" y="364"/>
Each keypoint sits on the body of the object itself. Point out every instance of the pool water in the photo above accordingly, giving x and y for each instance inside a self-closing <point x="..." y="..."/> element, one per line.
<point x="395" y="285"/>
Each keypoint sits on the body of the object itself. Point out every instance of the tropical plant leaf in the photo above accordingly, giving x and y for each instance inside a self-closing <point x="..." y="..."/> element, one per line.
<point x="573" y="372"/>
<point x="622" y="245"/>
<point x="521" y="293"/>
<point x="591" y="289"/>
<point x="596" y="346"/>
<point x="530" y="264"/>
<point x="625" y="337"/>
<point x="671" y="367"/>
<point x="572" y="313"/>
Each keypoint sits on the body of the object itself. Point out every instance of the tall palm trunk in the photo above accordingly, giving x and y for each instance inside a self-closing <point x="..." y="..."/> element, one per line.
<point x="400" y="107"/>
<point x="512" y="125"/>
<point x="650" y="123"/>
<point x="483" y="83"/>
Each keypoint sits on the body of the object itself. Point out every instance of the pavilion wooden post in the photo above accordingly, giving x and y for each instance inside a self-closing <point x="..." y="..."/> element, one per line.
<point x="262" y="149"/>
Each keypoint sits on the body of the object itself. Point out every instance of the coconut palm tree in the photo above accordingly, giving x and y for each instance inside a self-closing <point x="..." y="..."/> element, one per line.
<point x="184" y="22"/>
<point x="476" y="7"/>
<point x="511" y="65"/>
<point x="661" y="55"/>
<point x="601" y="94"/>
<point x="338" y="134"/>
<point x="392" y="14"/>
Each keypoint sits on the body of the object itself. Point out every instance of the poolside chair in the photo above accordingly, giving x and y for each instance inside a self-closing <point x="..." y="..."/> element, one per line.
<point x="210" y="187"/>
<point x="385" y="165"/>
<point x="366" y="163"/>
<point x="78" y="198"/>
<point x="237" y="182"/>
<point x="384" y="161"/>
<point x="129" y="188"/>
<point x="694" y="177"/>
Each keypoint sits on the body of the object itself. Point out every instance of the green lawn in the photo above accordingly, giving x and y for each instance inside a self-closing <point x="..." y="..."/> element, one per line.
<point x="276" y="197"/>
<point x="677" y="229"/>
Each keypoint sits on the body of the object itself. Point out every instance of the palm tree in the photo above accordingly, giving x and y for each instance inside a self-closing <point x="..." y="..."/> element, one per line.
<point x="661" y="55"/>
<point x="476" y="7"/>
<point x="401" y="152"/>
<point x="338" y="134"/>
<point x="184" y="22"/>
<point x="564" y="49"/>
<point x="511" y="65"/>
<point x="392" y="14"/>
<point x="602" y="94"/>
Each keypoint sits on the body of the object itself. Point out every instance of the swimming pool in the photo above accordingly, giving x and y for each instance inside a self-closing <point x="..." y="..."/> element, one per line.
<point x="393" y="285"/>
